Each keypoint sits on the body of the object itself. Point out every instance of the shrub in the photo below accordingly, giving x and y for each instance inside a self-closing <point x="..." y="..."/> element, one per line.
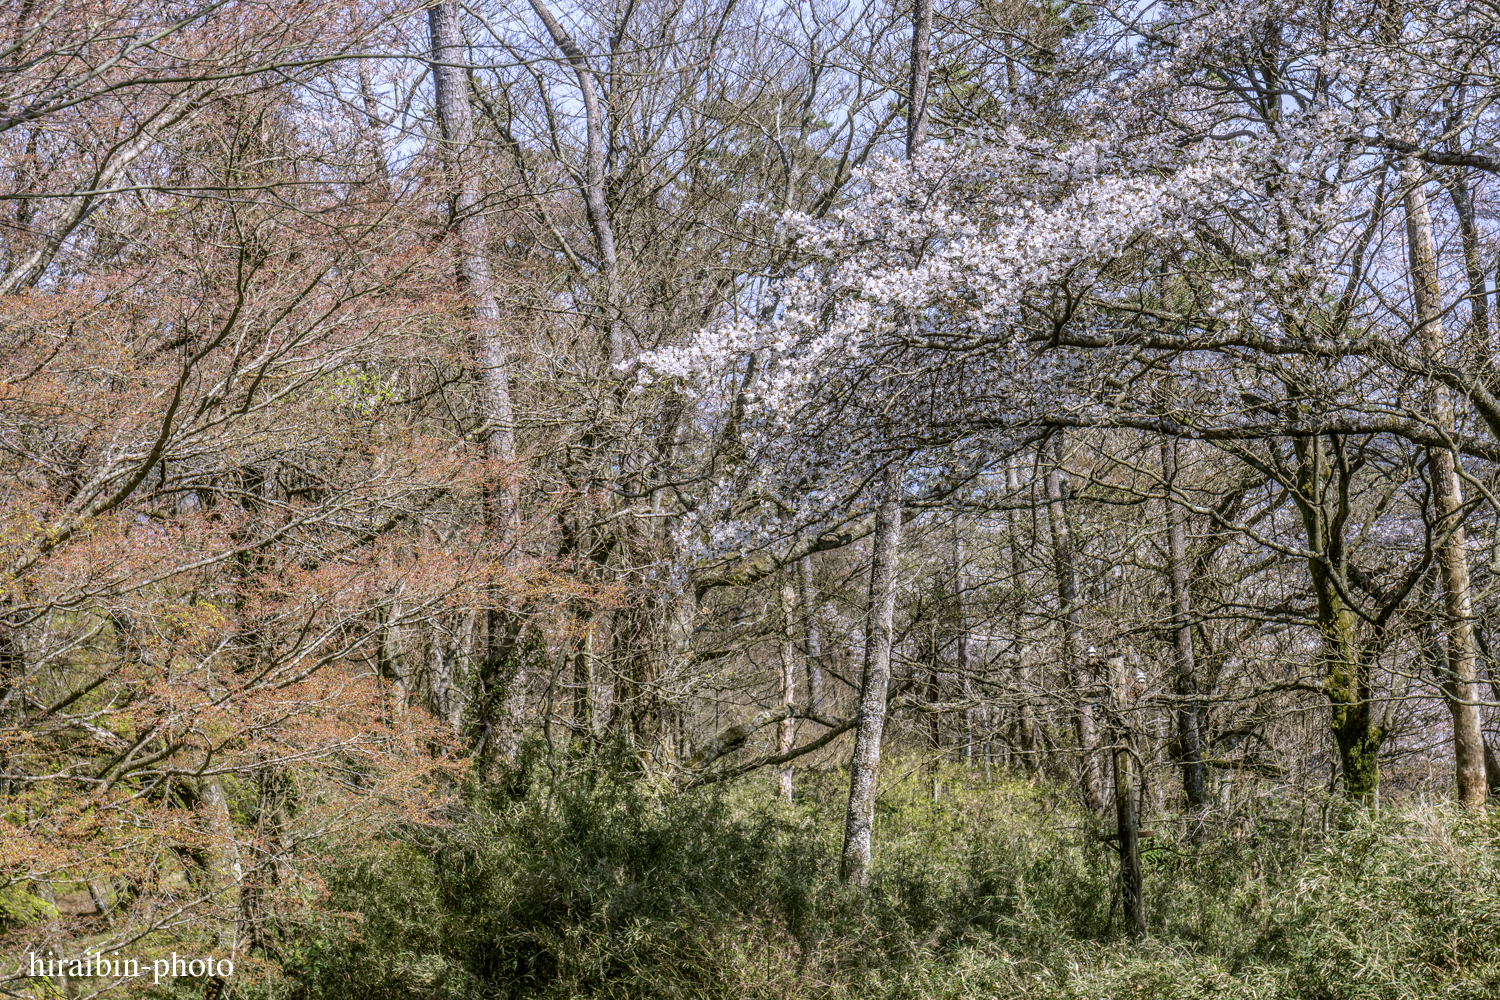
<point x="584" y="883"/>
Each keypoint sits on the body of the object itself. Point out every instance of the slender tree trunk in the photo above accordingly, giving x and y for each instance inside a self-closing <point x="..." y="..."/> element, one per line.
<point x="269" y="853"/>
<point x="392" y="656"/>
<point x="1127" y="821"/>
<point x="1468" y="230"/>
<point x="1030" y="742"/>
<point x="1182" y="634"/>
<point x="639" y="710"/>
<point x="961" y="641"/>
<point x="1491" y="769"/>
<point x="921" y="71"/>
<point x="583" y="675"/>
<point x="456" y="123"/>
<point x="813" y="638"/>
<point x="1073" y="645"/>
<point x="223" y="870"/>
<point x="442" y="681"/>
<point x="921" y="57"/>
<point x="786" y="730"/>
<point x="1453" y="558"/>
<point x="1127" y="827"/>
<point x="934" y="731"/>
<point x="854" y="866"/>
<point x="864" y="768"/>
<point x="510" y="665"/>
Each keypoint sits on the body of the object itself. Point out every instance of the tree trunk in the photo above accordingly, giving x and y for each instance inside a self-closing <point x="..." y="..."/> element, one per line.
<point x="1346" y="674"/>
<point x="1468" y="230"/>
<point x="455" y="119"/>
<point x="1458" y="683"/>
<point x="921" y="71"/>
<point x="962" y="662"/>
<point x="637" y="709"/>
<point x="1182" y="634"/>
<point x="1080" y="680"/>
<point x="1127" y="828"/>
<point x="854" y="866"/>
<point x="1028" y="726"/>
<point x="583" y="676"/>
<point x="1127" y="821"/>
<point x="1492" y="769"/>
<point x="270" y="857"/>
<point x="814" y="638"/>
<point x="786" y="730"/>
<point x="934" y="731"/>
<point x="223" y="872"/>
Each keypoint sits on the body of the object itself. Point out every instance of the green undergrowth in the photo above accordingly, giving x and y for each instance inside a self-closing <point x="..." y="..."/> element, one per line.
<point x="576" y="883"/>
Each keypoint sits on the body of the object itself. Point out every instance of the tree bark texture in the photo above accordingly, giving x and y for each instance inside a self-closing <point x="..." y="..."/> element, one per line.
<point x="1127" y="827"/>
<point x="1459" y="680"/>
<point x="455" y="119"/>
<point x="864" y="768"/>
<point x="1080" y="680"/>
<point x="962" y="661"/>
<point x="503" y="682"/>
<point x="921" y="72"/>
<point x="854" y="866"/>
<point x="813" y="637"/>
<point x="1127" y="820"/>
<point x="786" y="729"/>
<point x="1182" y="633"/>
<point x="1346" y="671"/>
<point x="1027" y="724"/>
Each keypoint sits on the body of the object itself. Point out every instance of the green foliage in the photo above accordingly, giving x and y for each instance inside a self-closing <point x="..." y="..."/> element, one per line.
<point x="582" y="883"/>
<point x="1404" y="907"/>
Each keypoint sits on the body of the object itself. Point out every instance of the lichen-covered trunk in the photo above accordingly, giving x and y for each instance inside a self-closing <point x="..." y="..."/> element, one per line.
<point x="786" y="729"/>
<point x="864" y="767"/>
<point x="221" y="871"/>
<point x="269" y="856"/>
<point x="1346" y="673"/>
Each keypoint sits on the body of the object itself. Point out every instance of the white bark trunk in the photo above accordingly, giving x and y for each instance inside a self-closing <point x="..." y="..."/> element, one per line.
<point x="786" y="730"/>
<point x="864" y="768"/>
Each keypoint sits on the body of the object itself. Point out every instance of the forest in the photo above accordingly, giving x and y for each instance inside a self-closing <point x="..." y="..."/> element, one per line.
<point x="799" y="499"/>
